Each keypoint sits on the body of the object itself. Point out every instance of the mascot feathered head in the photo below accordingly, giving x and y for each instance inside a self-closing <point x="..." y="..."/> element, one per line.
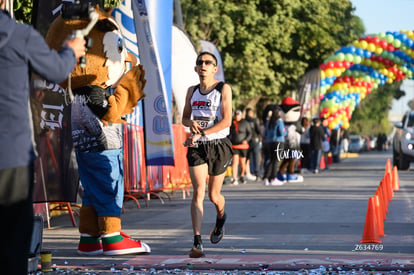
<point x="107" y="63"/>
<point x="291" y="110"/>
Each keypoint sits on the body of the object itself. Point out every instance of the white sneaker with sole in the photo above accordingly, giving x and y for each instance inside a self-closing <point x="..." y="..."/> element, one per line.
<point x="250" y="177"/>
<point x="276" y="182"/>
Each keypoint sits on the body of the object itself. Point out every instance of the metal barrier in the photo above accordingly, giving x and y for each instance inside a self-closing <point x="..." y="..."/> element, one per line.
<point x="142" y="181"/>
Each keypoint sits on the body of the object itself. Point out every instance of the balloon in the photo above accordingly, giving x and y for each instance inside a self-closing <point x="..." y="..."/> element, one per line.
<point x="331" y="125"/>
<point x="359" y="52"/>
<point x="378" y="50"/>
<point x="340" y="56"/>
<point x="363" y="44"/>
<point x="329" y="72"/>
<point x="349" y="57"/>
<point x="355" y="70"/>
<point x="396" y="43"/>
<point x="367" y="54"/>
<point x="346" y="64"/>
<point x="383" y="44"/>
<point x="345" y="125"/>
<point x="357" y="59"/>
<point x="330" y="64"/>
<point x="382" y="35"/>
<point x="371" y="47"/>
<point x="337" y="72"/>
<point x="389" y="38"/>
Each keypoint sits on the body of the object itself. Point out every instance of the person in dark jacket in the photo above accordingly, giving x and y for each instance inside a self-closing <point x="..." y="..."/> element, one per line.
<point x="316" y="134"/>
<point x="240" y="135"/>
<point x="305" y="145"/>
<point x="274" y="134"/>
<point x="22" y="50"/>
<point x="335" y="144"/>
<point x="253" y="168"/>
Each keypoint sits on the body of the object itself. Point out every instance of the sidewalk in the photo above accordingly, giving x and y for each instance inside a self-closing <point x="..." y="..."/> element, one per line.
<point x="312" y="226"/>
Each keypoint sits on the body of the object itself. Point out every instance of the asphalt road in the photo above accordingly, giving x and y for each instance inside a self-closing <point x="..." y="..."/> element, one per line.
<point x="315" y="224"/>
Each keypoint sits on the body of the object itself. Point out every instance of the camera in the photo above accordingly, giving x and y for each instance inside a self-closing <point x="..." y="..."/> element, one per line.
<point x="78" y="9"/>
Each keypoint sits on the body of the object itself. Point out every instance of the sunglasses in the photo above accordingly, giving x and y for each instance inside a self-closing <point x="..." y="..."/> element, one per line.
<point x="207" y="62"/>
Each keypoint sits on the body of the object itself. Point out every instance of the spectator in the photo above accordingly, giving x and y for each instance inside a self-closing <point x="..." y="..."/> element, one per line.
<point x="317" y="135"/>
<point x="240" y="135"/>
<point x="381" y="142"/>
<point x="335" y="145"/>
<point x="275" y="133"/>
<point x="345" y="140"/>
<point x="305" y="145"/>
<point x="253" y="153"/>
<point x="266" y="115"/>
<point x="326" y="146"/>
<point x="22" y="50"/>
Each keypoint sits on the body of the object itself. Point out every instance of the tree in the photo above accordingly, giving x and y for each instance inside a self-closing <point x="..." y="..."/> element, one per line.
<point x="371" y="116"/>
<point x="267" y="45"/>
<point x="22" y="9"/>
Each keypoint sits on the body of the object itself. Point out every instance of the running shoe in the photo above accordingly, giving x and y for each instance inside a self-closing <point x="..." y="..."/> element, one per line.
<point x="217" y="234"/>
<point x="276" y="182"/>
<point x="281" y="177"/>
<point x="234" y="182"/>
<point x="294" y="178"/>
<point x="251" y="177"/>
<point x="197" y="251"/>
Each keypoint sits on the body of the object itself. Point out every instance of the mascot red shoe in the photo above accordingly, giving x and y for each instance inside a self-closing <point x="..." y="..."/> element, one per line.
<point x="291" y="116"/>
<point x="97" y="121"/>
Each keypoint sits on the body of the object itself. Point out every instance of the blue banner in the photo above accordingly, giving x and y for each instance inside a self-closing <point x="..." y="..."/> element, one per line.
<point x="159" y="145"/>
<point x="125" y="18"/>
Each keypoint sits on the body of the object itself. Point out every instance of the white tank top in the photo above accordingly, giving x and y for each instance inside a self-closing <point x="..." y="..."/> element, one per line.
<point x="206" y="110"/>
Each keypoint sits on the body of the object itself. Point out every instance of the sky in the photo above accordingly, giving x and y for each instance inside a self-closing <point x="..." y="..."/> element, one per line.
<point x="389" y="15"/>
<point x="385" y="15"/>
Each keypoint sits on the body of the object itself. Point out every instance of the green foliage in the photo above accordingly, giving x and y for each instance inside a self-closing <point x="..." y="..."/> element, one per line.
<point x="22" y="10"/>
<point x="268" y="45"/>
<point x="371" y="116"/>
<point x="112" y="3"/>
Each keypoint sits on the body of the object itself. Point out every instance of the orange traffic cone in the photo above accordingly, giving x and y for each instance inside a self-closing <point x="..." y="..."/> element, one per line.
<point x="380" y="194"/>
<point x="379" y="216"/>
<point x="395" y="179"/>
<point x="388" y="167"/>
<point x="388" y="184"/>
<point x="371" y="234"/>
<point x="384" y="190"/>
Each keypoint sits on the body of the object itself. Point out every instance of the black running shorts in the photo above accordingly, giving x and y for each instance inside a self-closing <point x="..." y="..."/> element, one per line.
<point x="216" y="153"/>
<point x="241" y="152"/>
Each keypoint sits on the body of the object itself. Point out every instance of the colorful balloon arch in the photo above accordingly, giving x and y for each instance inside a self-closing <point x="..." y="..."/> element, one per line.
<point x="354" y="71"/>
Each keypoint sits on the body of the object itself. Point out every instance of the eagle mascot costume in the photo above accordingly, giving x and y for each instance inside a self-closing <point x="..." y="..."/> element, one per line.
<point x="104" y="89"/>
